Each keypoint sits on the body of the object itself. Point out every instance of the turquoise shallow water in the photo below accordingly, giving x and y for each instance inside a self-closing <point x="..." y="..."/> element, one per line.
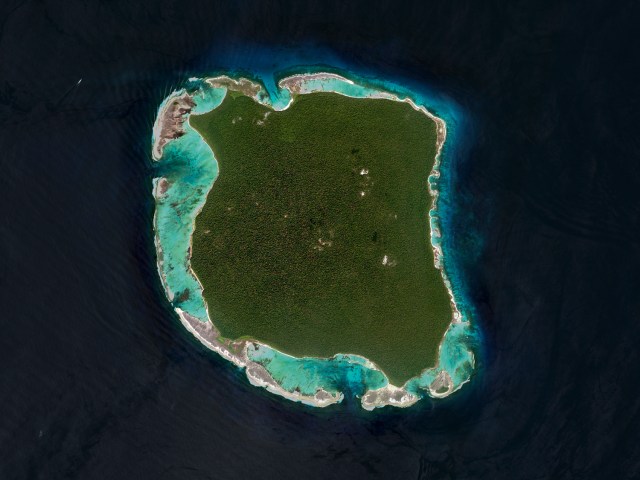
<point x="308" y="374"/>
<point x="191" y="169"/>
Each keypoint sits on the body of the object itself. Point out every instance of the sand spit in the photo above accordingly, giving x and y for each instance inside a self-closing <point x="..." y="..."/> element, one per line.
<point x="388" y="395"/>
<point x="241" y="85"/>
<point x="260" y="377"/>
<point x="391" y="395"/>
<point x="209" y="336"/>
<point x="169" y="124"/>
<point x="442" y="381"/>
<point x="295" y="83"/>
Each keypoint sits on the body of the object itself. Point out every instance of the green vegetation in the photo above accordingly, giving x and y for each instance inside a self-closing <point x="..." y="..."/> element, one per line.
<point x="315" y="236"/>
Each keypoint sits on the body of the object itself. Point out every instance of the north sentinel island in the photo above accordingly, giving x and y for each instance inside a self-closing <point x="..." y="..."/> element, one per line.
<point x="297" y="235"/>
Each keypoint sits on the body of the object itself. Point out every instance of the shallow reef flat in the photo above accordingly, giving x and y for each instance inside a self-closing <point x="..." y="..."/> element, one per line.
<point x="301" y="230"/>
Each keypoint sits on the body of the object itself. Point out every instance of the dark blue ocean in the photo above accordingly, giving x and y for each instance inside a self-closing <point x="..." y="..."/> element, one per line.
<point x="99" y="380"/>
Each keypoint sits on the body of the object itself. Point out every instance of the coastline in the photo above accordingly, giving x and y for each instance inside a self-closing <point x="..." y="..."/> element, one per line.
<point x="172" y="114"/>
<point x="258" y="376"/>
<point x="436" y="381"/>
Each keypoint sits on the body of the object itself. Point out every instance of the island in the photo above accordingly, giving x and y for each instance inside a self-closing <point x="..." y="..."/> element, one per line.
<point x="295" y="237"/>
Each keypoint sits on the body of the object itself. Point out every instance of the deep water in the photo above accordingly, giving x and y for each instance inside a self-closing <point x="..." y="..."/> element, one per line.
<point x="100" y="380"/>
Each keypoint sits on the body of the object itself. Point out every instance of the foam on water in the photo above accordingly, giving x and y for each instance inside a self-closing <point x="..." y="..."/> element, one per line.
<point x="188" y="164"/>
